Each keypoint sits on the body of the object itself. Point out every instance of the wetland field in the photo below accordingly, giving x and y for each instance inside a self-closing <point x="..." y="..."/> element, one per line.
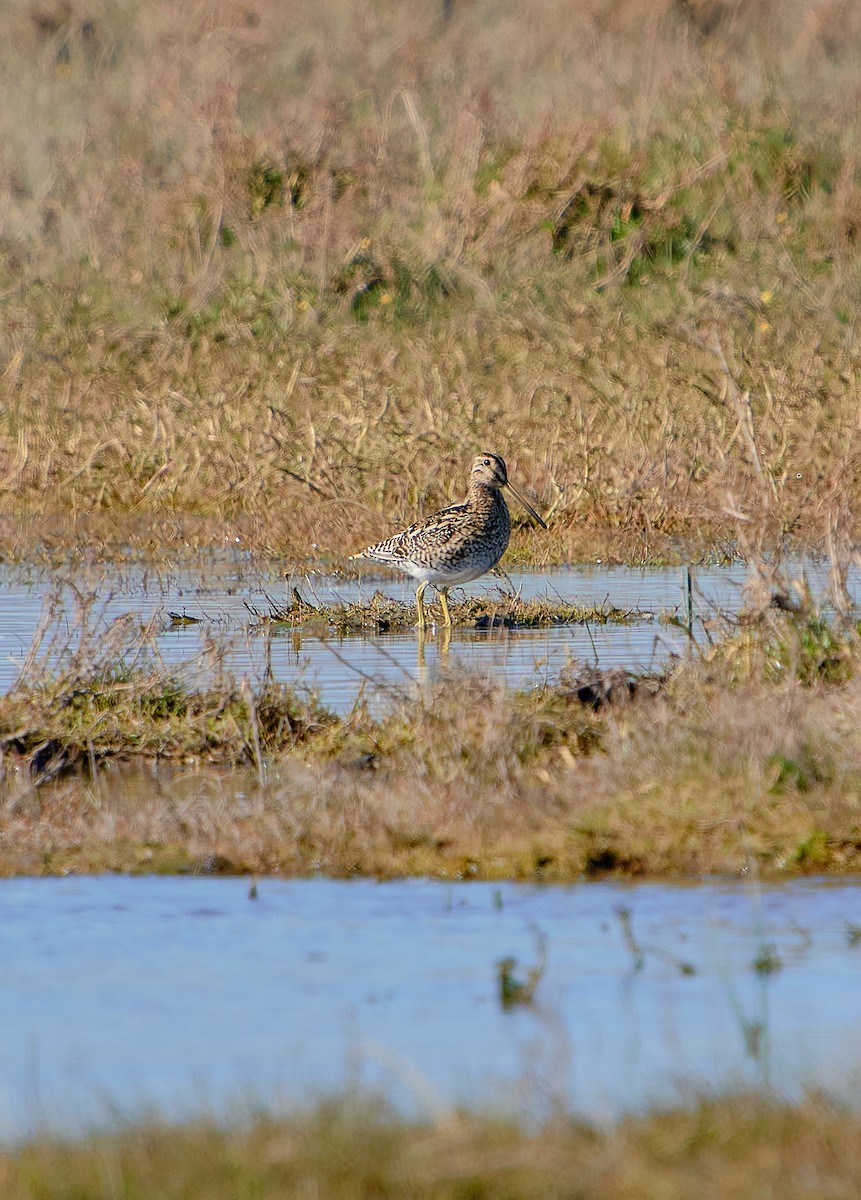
<point x="270" y="275"/>
<point x="645" y="722"/>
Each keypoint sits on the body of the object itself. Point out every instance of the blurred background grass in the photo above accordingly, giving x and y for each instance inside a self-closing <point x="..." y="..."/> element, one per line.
<point x="271" y="273"/>
<point x="736" y="1147"/>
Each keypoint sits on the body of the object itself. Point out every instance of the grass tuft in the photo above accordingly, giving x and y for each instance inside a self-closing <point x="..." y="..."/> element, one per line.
<point x="383" y="615"/>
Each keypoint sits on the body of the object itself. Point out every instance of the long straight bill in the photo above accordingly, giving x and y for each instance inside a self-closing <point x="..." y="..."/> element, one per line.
<point x="526" y="505"/>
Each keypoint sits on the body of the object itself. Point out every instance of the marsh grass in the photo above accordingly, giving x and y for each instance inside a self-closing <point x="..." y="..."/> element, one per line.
<point x="741" y="1146"/>
<point x="92" y="688"/>
<point x="381" y="614"/>
<point x="271" y="278"/>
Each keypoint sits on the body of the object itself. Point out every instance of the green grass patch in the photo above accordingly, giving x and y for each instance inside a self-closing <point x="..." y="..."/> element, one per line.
<point x="381" y="614"/>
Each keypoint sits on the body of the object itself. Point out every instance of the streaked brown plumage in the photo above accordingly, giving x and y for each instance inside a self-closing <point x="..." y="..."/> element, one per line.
<point x="458" y="543"/>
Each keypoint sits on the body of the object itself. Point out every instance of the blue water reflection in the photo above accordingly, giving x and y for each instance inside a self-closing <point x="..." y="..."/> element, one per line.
<point x="183" y="993"/>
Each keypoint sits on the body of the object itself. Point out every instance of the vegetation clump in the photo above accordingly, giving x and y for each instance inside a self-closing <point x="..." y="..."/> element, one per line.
<point x="91" y="690"/>
<point x="152" y="714"/>
<point x="381" y="614"/>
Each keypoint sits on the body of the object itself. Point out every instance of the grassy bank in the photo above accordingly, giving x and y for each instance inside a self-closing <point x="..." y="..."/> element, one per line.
<point x="747" y="1146"/>
<point x="272" y="277"/>
<point x="743" y="758"/>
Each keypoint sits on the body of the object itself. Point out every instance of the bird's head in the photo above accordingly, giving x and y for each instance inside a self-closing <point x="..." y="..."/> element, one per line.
<point x="489" y="470"/>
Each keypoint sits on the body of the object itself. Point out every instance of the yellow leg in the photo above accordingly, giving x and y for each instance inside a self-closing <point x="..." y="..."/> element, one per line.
<point x="446" y="615"/>
<point x="420" y="591"/>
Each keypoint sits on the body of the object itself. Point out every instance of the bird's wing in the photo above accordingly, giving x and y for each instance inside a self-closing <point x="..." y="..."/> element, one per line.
<point x="442" y="526"/>
<point x="435" y="530"/>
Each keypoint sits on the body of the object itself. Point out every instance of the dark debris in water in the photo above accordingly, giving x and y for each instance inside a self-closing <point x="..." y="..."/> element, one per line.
<point x="515" y="989"/>
<point x="180" y="619"/>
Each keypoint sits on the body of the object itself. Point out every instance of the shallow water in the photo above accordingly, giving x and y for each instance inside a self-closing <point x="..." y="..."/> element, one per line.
<point x="222" y="593"/>
<point x="185" y="994"/>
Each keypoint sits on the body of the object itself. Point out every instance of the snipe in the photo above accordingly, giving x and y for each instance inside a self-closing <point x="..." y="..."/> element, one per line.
<point x="458" y="543"/>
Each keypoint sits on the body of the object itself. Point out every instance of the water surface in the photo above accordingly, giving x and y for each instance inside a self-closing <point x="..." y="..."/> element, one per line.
<point x="185" y="994"/>
<point x="224" y="595"/>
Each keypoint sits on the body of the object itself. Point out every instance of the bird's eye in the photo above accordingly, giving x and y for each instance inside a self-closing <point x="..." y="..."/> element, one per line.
<point x="486" y="462"/>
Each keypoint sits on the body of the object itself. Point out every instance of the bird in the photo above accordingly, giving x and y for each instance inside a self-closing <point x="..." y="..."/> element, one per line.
<point x="458" y="543"/>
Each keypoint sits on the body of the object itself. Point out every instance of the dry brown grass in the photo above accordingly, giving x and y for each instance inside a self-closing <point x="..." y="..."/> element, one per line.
<point x="274" y="273"/>
<point x="737" y="1148"/>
